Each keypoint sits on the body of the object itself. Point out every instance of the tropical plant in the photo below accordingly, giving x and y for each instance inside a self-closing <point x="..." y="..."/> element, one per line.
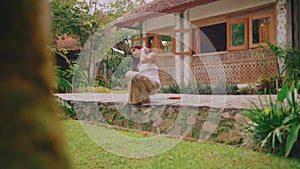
<point x="276" y="127"/>
<point x="62" y="82"/>
<point x="291" y="66"/>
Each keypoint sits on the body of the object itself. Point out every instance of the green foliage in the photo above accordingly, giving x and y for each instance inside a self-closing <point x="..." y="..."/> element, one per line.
<point x="248" y="90"/>
<point x="72" y="78"/>
<point x="62" y="82"/>
<point x="68" y="109"/>
<point x="192" y="88"/>
<point x="117" y="8"/>
<point x="238" y="35"/>
<point x="112" y="70"/>
<point x="80" y="20"/>
<point x="291" y="67"/>
<point x="204" y="89"/>
<point x="225" y="88"/>
<point x="173" y="88"/>
<point x="75" y="18"/>
<point x="276" y="127"/>
<point x="197" y="88"/>
<point x="77" y="76"/>
<point x="268" y="84"/>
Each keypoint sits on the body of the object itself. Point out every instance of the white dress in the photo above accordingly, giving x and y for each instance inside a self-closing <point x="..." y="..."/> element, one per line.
<point x="151" y="71"/>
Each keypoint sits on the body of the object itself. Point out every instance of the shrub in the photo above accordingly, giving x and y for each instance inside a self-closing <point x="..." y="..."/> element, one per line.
<point x="225" y="88"/>
<point x="204" y="89"/>
<point x="268" y="84"/>
<point x="68" y="109"/>
<point x="192" y="88"/>
<point x="173" y="88"/>
<point x="248" y="90"/>
<point x="276" y="127"/>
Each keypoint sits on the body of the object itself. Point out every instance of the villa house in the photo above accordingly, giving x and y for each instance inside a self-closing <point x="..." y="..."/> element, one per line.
<point x="209" y="40"/>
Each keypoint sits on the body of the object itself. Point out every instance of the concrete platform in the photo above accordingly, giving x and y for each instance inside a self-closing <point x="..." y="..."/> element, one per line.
<point x="213" y="101"/>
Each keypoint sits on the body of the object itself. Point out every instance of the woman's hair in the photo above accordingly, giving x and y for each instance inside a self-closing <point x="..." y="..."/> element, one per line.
<point x="136" y="46"/>
<point x="135" y="61"/>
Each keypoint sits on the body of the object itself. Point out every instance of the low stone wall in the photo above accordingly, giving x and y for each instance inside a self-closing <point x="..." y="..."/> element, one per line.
<point x="202" y="124"/>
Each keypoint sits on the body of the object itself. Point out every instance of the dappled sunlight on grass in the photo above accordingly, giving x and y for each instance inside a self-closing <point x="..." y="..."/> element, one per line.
<point x="86" y="154"/>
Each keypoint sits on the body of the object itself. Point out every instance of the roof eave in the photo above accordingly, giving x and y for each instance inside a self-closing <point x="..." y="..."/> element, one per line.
<point x="179" y="9"/>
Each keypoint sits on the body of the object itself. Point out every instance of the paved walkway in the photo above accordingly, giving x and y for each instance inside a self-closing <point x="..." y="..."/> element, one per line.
<point x="214" y="101"/>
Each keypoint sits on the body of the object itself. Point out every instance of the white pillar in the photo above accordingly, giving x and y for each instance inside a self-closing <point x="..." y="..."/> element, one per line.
<point x="281" y="27"/>
<point x="182" y="69"/>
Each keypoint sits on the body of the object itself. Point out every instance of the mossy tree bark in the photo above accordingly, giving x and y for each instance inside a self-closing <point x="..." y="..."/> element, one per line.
<point x="30" y="135"/>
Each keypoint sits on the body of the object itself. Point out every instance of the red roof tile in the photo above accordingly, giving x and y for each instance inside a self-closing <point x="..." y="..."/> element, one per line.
<point x="159" y="6"/>
<point x="67" y="42"/>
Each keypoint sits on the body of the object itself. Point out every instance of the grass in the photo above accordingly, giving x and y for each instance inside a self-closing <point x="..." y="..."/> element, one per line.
<point x="85" y="154"/>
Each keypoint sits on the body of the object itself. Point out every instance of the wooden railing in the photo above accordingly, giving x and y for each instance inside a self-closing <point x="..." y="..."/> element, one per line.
<point x="241" y="67"/>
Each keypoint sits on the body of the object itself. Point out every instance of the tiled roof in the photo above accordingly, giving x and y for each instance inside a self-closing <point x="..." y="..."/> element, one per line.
<point x="67" y="42"/>
<point x="159" y="6"/>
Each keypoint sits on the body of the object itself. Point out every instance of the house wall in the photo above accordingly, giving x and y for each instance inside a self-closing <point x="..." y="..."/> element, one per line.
<point x="204" y="11"/>
<point x="165" y="20"/>
<point x="240" y="66"/>
<point x="223" y="7"/>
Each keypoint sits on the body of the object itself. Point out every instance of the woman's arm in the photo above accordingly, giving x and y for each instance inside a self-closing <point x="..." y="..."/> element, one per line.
<point x="146" y="56"/>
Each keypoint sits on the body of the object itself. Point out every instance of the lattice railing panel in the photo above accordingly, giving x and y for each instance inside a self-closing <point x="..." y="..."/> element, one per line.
<point x="166" y="64"/>
<point x="235" y="66"/>
<point x="247" y="72"/>
<point x="167" y="75"/>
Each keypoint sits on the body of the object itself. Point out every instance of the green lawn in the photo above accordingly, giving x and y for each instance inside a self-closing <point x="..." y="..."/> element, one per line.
<point x="84" y="153"/>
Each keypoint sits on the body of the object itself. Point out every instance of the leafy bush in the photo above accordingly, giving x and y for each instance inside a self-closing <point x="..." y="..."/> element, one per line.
<point x="112" y="68"/>
<point x="276" y="127"/>
<point x="68" y="109"/>
<point x="268" y="84"/>
<point x="291" y="66"/>
<point x="248" y="90"/>
<point x="225" y="88"/>
<point x="204" y="89"/>
<point x="196" y="88"/>
<point x="62" y="81"/>
<point x="173" y="88"/>
<point x="192" y="88"/>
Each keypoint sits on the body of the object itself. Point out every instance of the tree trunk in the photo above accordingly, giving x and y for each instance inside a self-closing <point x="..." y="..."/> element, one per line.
<point x="30" y="134"/>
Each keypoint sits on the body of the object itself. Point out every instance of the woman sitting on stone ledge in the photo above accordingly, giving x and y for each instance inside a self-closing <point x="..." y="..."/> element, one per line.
<point x="145" y="81"/>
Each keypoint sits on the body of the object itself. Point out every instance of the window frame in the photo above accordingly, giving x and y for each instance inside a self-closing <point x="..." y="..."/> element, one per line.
<point x="229" y="33"/>
<point x="145" y="39"/>
<point x="270" y="33"/>
<point x="201" y="31"/>
<point x="189" y="52"/>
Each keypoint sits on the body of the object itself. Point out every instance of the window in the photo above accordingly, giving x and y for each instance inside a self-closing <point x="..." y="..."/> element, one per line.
<point x="165" y="43"/>
<point x="237" y="34"/>
<point x="213" y="38"/>
<point x="260" y="30"/>
<point x="140" y="41"/>
<point x="182" y="44"/>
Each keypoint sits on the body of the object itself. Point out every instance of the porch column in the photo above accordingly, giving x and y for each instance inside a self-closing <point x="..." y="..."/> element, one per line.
<point x="282" y="26"/>
<point x="182" y="70"/>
